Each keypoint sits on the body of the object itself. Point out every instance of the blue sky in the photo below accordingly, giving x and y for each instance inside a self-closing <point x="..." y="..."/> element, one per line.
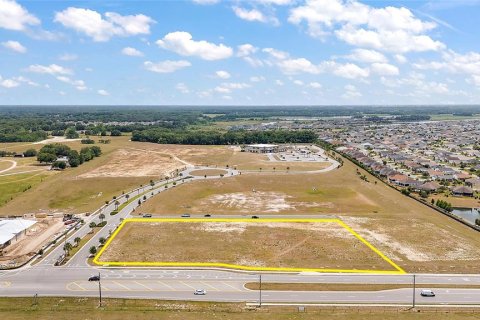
<point x="263" y="52"/>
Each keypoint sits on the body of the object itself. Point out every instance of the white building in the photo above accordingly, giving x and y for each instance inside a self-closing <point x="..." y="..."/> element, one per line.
<point x="12" y="230"/>
<point x="264" y="148"/>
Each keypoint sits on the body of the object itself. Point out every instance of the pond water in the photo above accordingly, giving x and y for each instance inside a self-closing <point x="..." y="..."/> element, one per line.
<point x="468" y="214"/>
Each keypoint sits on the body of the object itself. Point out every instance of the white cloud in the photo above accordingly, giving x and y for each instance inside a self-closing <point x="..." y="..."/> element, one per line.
<point x="167" y="66"/>
<point x="246" y="50"/>
<point x="129" y="51"/>
<point x="15" y="17"/>
<point x="8" y="83"/>
<point x="279" y="82"/>
<point x="52" y="69"/>
<point x="300" y="65"/>
<point x="367" y="56"/>
<point x="206" y="2"/>
<point x="222" y="74"/>
<point x="68" y="57"/>
<point x="182" y="87"/>
<point x="349" y="70"/>
<point x="26" y="80"/>
<point x="384" y="69"/>
<point x="275" y="2"/>
<point x="181" y="42"/>
<point x="351" y="92"/>
<point x="249" y="15"/>
<point x="400" y="58"/>
<point x="14" y="46"/>
<point x="228" y="87"/>
<point x="103" y="92"/>
<point x="102" y="28"/>
<point x="257" y="79"/>
<point x="78" y="84"/>
<point x="390" y="28"/>
<point x="315" y="85"/>
<point x="277" y="54"/>
<point x="220" y="89"/>
<point x="298" y="82"/>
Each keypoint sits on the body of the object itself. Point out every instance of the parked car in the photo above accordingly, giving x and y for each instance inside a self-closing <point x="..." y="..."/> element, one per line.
<point x="200" y="292"/>
<point x="147" y="215"/>
<point x="427" y="293"/>
<point x="186" y="215"/>
<point x="94" y="278"/>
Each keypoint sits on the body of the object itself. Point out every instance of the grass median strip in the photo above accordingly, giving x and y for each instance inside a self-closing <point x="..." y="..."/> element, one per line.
<point x="275" y="286"/>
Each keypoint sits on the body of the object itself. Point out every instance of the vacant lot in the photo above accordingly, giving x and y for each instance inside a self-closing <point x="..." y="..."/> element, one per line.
<point x="259" y="243"/>
<point x="416" y="237"/>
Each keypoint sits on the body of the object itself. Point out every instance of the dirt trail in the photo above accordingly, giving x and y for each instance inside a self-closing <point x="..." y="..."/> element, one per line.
<point x="14" y="164"/>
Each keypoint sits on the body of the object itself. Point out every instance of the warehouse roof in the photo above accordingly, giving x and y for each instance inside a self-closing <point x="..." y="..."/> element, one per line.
<point x="10" y="227"/>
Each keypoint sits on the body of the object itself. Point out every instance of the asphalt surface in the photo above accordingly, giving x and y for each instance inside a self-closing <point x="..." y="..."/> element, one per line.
<point x="71" y="279"/>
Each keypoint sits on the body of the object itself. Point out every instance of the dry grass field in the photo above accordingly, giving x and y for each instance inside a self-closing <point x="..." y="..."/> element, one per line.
<point x="150" y="309"/>
<point x="414" y="236"/>
<point x="259" y="243"/>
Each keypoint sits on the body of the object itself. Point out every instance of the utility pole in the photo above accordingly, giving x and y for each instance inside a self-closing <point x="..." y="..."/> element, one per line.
<point x="100" y="289"/>
<point x="260" y="291"/>
<point x="413" y="305"/>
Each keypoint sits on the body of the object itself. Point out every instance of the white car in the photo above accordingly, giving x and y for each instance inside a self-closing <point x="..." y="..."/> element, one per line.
<point x="427" y="293"/>
<point x="200" y="292"/>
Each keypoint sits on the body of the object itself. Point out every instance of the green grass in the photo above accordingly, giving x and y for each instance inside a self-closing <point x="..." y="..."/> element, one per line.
<point x="11" y="186"/>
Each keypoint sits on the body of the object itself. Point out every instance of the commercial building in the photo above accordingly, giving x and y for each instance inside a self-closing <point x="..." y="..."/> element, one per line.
<point x="13" y="230"/>
<point x="264" y="148"/>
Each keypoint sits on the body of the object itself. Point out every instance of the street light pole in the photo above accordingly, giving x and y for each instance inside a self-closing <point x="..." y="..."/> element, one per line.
<point x="413" y="305"/>
<point x="260" y="291"/>
<point x="100" y="289"/>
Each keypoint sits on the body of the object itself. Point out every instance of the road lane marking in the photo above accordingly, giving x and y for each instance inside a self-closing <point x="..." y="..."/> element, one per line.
<point x="228" y="285"/>
<point x="141" y="284"/>
<point x="168" y="286"/>
<point x="209" y="285"/>
<point x="187" y="285"/>
<point x="121" y="285"/>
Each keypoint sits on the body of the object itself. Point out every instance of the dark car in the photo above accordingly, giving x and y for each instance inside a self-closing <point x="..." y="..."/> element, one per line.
<point x="254" y="217"/>
<point x="94" y="278"/>
<point x="207" y="215"/>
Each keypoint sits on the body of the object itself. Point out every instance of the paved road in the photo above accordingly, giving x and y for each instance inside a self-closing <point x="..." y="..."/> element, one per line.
<point x="71" y="279"/>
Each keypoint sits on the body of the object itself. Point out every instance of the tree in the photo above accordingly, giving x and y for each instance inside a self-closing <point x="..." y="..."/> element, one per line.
<point x="30" y="153"/>
<point x="101" y="217"/>
<point x="92" y="225"/>
<point x="116" y="133"/>
<point x="71" y="133"/>
<point x="117" y="203"/>
<point x="77" y="240"/>
<point x="102" y="240"/>
<point x="60" y="165"/>
<point x="93" y="250"/>
<point x="67" y="247"/>
<point x="127" y="196"/>
<point x="44" y="157"/>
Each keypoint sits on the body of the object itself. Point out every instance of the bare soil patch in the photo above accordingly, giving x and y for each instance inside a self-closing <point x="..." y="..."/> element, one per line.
<point x="260" y="244"/>
<point x="135" y="163"/>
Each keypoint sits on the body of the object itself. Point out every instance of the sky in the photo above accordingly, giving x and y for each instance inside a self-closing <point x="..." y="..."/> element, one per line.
<point x="262" y="52"/>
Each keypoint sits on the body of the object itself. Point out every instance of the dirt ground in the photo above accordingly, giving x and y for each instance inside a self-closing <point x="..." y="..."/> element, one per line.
<point x="416" y="237"/>
<point x="38" y="236"/>
<point x="135" y="163"/>
<point x="255" y="244"/>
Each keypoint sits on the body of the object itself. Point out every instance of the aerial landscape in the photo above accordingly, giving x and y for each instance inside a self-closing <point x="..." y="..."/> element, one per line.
<point x="285" y="159"/>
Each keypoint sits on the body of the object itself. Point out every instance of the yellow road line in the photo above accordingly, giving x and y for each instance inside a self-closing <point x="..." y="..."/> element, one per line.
<point x="141" y="284"/>
<point x="397" y="270"/>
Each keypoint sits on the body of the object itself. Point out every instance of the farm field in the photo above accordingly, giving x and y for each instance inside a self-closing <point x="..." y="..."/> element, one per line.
<point x="263" y="244"/>
<point x="395" y="224"/>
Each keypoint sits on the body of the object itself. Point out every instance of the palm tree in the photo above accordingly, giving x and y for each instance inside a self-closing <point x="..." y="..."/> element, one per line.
<point x="93" y="250"/>
<point x="152" y="184"/>
<point x="67" y="247"/>
<point x="102" y="240"/>
<point x="92" y="225"/>
<point x="77" y="240"/>
<point x="117" y="203"/>
<point x="101" y="217"/>
<point x="127" y="196"/>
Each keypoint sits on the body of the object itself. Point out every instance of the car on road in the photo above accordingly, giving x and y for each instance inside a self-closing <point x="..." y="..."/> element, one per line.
<point x="200" y="292"/>
<point x="186" y="215"/>
<point x="94" y="278"/>
<point x="254" y="217"/>
<point x="427" y="293"/>
<point x="207" y="215"/>
<point x="147" y="215"/>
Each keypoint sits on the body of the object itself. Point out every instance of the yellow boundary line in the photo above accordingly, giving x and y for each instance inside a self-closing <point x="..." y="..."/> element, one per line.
<point x="397" y="270"/>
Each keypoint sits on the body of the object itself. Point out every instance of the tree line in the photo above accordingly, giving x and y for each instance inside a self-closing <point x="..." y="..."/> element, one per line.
<point x="211" y="137"/>
<point x="51" y="152"/>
